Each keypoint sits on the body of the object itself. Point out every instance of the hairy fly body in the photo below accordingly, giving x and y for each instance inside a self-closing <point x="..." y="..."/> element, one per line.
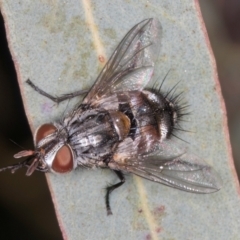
<point x="122" y="125"/>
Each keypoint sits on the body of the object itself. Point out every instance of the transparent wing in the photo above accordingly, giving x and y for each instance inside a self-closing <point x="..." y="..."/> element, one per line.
<point x="181" y="170"/>
<point x="132" y="63"/>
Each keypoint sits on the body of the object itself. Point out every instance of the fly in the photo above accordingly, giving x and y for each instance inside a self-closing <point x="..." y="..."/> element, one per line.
<point x="122" y="125"/>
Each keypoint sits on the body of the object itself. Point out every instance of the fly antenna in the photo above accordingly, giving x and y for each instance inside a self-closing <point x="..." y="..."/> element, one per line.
<point x="15" y="143"/>
<point x="32" y="167"/>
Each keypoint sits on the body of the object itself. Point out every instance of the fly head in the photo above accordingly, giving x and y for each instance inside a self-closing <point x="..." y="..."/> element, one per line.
<point x="51" y="154"/>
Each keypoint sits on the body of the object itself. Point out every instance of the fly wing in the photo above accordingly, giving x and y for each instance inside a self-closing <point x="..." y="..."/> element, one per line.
<point x="172" y="168"/>
<point x="132" y="63"/>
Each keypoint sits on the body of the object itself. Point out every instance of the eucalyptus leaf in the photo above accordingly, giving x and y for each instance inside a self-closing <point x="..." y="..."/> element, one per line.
<point x="62" y="46"/>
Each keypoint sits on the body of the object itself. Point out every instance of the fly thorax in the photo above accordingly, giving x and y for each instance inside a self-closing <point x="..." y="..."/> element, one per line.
<point x="90" y="129"/>
<point x="93" y="135"/>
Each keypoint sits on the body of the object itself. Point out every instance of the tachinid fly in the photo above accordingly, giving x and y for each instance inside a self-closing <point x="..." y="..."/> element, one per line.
<point x="122" y="125"/>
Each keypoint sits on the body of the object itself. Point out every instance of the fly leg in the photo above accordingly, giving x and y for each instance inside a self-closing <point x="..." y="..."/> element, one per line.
<point x="56" y="99"/>
<point x="111" y="188"/>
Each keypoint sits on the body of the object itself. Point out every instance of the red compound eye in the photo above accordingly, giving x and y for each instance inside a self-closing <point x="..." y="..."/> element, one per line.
<point x="43" y="131"/>
<point x="63" y="161"/>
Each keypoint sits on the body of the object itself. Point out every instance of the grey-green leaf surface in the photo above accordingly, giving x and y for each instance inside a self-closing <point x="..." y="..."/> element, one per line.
<point x="61" y="46"/>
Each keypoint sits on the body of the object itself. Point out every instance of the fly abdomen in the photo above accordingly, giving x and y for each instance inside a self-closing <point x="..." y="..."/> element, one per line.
<point x="165" y="110"/>
<point x="152" y="117"/>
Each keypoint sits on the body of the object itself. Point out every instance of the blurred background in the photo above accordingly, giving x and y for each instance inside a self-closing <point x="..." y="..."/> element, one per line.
<point x="18" y="193"/>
